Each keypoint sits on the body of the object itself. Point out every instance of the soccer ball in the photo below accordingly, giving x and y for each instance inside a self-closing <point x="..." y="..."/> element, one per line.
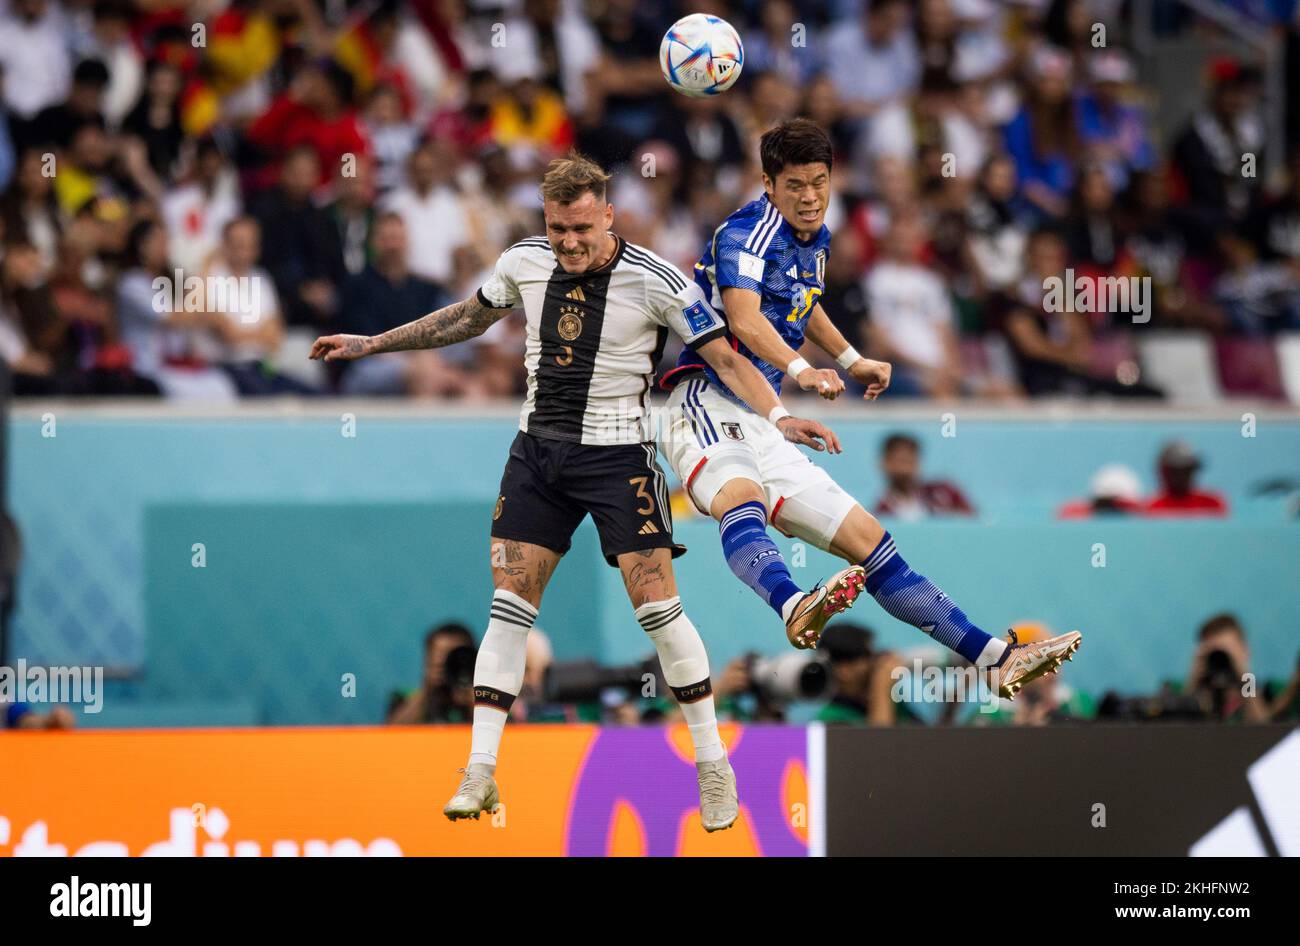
<point x="701" y="55"/>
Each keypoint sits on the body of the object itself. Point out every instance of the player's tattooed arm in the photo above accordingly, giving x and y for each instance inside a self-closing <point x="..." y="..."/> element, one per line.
<point x="447" y="326"/>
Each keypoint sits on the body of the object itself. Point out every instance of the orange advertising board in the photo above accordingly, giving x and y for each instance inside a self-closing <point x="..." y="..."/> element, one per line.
<point x="380" y="791"/>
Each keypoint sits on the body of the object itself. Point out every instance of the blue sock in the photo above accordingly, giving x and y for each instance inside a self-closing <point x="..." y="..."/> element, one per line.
<point x="916" y="600"/>
<point x="754" y="557"/>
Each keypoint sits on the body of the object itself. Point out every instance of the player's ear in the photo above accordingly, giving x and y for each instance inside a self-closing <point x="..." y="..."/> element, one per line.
<point x="609" y="216"/>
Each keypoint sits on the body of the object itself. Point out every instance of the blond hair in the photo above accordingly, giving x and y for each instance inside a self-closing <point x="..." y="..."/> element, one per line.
<point x="570" y="177"/>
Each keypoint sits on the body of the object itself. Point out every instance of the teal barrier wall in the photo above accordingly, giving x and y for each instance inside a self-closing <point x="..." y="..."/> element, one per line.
<point x="388" y="527"/>
<point x="293" y="598"/>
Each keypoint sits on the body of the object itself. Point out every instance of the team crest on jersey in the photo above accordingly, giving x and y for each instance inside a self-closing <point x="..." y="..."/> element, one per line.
<point x="732" y="430"/>
<point x="821" y="267"/>
<point x="496" y="513"/>
<point x="570" y="326"/>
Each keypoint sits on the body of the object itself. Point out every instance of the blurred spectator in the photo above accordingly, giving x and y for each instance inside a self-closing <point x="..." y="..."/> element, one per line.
<point x="1114" y="490"/>
<point x="30" y="209"/>
<point x="302" y="245"/>
<point x="1115" y="133"/>
<point x="503" y="207"/>
<point x="392" y="137"/>
<point x="434" y="213"/>
<point x="1052" y="350"/>
<point x="910" y="315"/>
<point x="886" y="63"/>
<point x="8" y="148"/>
<point x="860" y="676"/>
<point x="1169" y="247"/>
<point x="34" y="57"/>
<point x="996" y="233"/>
<point x="1258" y="298"/>
<point x="197" y="211"/>
<point x="1218" y="676"/>
<point x="156" y="118"/>
<point x="1043" y="138"/>
<point x="353" y="214"/>
<point x="54" y="125"/>
<point x="385" y="295"/>
<point x="1091" y="233"/>
<point x="1276" y="226"/>
<point x="445" y="695"/>
<point x="315" y="113"/>
<point x="906" y="495"/>
<point x="845" y="297"/>
<point x="244" y="294"/>
<point x="1176" y="469"/>
<point x="1212" y="153"/>
<point x="110" y="43"/>
<point x="166" y="341"/>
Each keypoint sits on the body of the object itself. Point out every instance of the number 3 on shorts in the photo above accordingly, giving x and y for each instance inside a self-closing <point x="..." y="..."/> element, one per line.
<point x="640" y="483"/>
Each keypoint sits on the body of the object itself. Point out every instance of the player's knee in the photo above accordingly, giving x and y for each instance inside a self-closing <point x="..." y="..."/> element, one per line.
<point x="858" y="535"/>
<point x="736" y="492"/>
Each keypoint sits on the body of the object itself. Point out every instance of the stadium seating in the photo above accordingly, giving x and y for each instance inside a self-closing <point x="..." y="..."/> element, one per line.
<point x="1181" y="364"/>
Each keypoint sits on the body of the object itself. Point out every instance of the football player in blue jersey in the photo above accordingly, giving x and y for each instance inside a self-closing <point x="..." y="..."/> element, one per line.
<point x="764" y="270"/>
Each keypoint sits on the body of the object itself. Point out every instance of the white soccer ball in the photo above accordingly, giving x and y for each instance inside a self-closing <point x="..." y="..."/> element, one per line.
<point x="701" y="55"/>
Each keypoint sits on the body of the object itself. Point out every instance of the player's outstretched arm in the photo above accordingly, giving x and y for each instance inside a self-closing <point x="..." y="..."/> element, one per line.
<point x="739" y="374"/>
<point x="821" y="331"/>
<point x="746" y="321"/>
<point x="447" y="326"/>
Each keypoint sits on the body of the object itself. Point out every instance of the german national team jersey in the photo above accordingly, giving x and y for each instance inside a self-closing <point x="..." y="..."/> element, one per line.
<point x="756" y="249"/>
<point x="594" y="338"/>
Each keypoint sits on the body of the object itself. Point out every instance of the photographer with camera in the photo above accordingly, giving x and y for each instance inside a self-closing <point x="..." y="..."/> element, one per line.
<point x="1218" y="674"/>
<point x="861" y="678"/>
<point x="447" y="693"/>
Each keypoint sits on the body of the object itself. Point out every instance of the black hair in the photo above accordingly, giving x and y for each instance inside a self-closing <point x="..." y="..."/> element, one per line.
<point x="90" y="72"/>
<point x="451" y="627"/>
<point x="794" y="141"/>
<point x="900" y="440"/>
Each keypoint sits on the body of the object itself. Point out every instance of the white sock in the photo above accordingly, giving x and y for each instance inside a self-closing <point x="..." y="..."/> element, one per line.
<point x="992" y="652"/>
<point x="787" y="609"/>
<point x="499" y="672"/>
<point x="686" y="669"/>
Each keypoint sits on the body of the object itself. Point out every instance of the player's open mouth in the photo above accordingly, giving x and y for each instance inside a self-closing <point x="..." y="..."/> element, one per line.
<point x="809" y="215"/>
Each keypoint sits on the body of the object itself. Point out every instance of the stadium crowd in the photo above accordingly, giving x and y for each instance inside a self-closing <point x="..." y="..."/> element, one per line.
<point x="363" y="163"/>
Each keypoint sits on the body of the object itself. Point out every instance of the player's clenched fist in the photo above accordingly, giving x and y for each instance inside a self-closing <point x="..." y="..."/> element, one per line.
<point x="874" y="374"/>
<point x="340" y="347"/>
<point x="807" y="433"/>
<point x="824" y="381"/>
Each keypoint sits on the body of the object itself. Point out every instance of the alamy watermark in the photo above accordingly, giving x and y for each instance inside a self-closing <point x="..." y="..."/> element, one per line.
<point x="181" y="293"/>
<point x="22" y="683"/>
<point x="1074" y="293"/>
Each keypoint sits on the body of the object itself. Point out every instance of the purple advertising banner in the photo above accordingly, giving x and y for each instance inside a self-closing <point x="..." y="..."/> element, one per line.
<point x="636" y="793"/>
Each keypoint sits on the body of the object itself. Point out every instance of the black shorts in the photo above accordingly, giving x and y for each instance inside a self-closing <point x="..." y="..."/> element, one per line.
<point x="549" y="486"/>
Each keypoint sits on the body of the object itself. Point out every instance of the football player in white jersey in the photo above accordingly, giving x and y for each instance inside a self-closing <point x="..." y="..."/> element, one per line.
<point x="598" y="310"/>
<point x="764" y="270"/>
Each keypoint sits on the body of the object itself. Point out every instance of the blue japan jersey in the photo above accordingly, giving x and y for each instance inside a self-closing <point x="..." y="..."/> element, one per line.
<point x="756" y="249"/>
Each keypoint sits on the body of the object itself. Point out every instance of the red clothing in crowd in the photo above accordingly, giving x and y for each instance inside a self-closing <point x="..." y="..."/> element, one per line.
<point x="938" y="498"/>
<point x="287" y="124"/>
<point x="1195" y="503"/>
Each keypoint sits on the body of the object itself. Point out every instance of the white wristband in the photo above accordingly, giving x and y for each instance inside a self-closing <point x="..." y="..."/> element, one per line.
<point x="848" y="357"/>
<point x="796" y="367"/>
<point x="777" y="413"/>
